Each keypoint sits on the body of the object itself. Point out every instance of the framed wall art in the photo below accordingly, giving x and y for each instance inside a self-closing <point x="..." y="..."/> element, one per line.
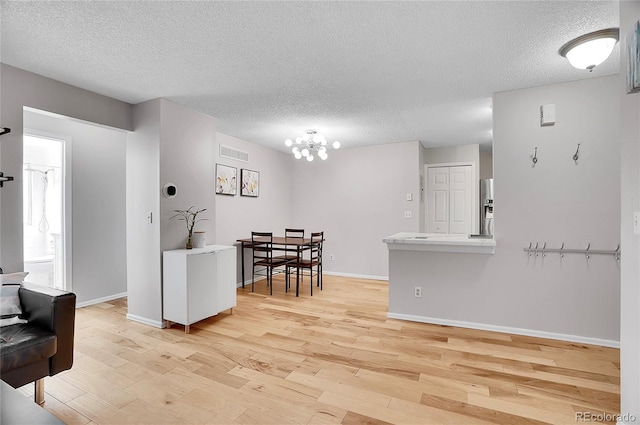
<point x="633" y="59"/>
<point x="226" y="182"/>
<point x="250" y="183"/>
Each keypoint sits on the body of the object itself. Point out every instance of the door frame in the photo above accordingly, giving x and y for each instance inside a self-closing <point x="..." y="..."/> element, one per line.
<point x="475" y="212"/>
<point x="67" y="195"/>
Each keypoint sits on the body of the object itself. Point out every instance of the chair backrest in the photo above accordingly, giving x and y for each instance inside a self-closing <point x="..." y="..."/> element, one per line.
<point x="317" y="238"/>
<point x="294" y="233"/>
<point x="262" y="244"/>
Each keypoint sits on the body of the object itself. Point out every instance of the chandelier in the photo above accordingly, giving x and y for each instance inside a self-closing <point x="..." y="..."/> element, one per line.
<point x="310" y="143"/>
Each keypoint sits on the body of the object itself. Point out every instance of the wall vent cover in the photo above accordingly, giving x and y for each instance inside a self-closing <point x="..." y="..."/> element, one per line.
<point x="231" y="153"/>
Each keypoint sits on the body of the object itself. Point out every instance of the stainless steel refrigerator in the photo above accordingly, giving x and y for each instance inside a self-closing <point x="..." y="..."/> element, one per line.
<point x="486" y="206"/>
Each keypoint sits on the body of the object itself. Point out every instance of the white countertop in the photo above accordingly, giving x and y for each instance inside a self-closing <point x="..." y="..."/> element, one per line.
<point x="409" y="241"/>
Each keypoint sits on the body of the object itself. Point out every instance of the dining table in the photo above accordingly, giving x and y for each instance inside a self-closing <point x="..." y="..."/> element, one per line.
<point x="279" y="243"/>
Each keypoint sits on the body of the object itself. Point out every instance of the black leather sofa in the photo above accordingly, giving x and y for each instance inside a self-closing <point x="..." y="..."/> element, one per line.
<point x="44" y="345"/>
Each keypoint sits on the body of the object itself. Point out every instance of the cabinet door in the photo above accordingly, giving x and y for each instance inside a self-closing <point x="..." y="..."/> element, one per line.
<point x="226" y="280"/>
<point x="201" y="286"/>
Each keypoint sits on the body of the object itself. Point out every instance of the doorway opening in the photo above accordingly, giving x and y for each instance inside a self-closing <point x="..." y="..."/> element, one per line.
<point x="46" y="206"/>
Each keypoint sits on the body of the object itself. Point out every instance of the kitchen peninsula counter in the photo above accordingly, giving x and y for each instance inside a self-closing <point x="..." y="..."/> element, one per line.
<point x="409" y="241"/>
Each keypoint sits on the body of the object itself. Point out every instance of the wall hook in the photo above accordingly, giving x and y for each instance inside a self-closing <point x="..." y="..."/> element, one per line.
<point x="616" y="253"/>
<point x="575" y="155"/>
<point x="543" y="248"/>
<point x="529" y="249"/>
<point x="535" y="157"/>
<point x="561" y="248"/>
<point x="586" y="251"/>
<point x="536" y="249"/>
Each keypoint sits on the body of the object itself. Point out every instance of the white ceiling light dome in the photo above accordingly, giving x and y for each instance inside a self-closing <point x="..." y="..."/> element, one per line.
<point x="590" y="50"/>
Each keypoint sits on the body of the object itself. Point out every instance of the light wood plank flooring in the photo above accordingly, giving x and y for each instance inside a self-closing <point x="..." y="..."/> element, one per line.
<point x="334" y="358"/>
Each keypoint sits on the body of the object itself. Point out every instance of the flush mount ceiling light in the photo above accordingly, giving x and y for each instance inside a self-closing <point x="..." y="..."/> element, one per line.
<point x="310" y="143"/>
<point x="590" y="50"/>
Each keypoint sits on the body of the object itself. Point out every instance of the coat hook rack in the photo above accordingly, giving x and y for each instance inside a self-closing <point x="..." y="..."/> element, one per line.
<point x="588" y="252"/>
<point x="575" y="155"/>
<point x="535" y="157"/>
<point x="4" y="130"/>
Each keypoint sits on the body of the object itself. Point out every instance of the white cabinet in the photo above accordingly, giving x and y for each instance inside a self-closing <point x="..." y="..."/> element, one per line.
<point x="198" y="283"/>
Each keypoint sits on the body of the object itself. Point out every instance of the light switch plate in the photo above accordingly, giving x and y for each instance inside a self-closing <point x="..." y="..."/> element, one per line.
<point x="409" y="197"/>
<point x="636" y="222"/>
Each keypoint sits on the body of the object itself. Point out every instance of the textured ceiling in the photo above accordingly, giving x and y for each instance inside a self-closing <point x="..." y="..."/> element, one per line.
<point x="359" y="72"/>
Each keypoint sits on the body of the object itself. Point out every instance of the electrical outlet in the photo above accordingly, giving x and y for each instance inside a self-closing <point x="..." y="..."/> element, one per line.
<point x="407" y="214"/>
<point x="417" y="291"/>
<point x="331" y="257"/>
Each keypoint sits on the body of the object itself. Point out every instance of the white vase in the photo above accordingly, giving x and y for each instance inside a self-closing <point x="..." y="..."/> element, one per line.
<point x="199" y="239"/>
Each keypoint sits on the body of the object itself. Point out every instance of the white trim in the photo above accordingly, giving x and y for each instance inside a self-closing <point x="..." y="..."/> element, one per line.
<point x="101" y="300"/>
<point x="357" y="276"/>
<point x="155" y="323"/>
<point x="505" y="329"/>
<point x="248" y="282"/>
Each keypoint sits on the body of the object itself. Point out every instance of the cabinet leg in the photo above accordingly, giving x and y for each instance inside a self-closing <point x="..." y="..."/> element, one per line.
<point x="187" y="329"/>
<point x="231" y="310"/>
<point x="169" y="323"/>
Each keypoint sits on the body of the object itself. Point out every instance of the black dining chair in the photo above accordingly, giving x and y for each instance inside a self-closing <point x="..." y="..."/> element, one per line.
<point x="313" y="263"/>
<point x="263" y="260"/>
<point x="290" y="251"/>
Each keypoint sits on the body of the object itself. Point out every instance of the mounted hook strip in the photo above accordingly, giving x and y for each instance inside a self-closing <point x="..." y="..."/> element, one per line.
<point x="4" y="130"/>
<point x="588" y="252"/>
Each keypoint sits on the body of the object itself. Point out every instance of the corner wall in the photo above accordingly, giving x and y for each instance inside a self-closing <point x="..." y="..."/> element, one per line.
<point x="21" y="88"/>
<point x="171" y="143"/>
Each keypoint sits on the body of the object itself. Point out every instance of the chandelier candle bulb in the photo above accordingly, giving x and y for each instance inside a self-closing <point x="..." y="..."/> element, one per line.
<point x="312" y="143"/>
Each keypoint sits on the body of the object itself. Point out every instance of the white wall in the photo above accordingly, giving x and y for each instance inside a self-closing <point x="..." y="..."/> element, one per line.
<point x="557" y="201"/>
<point x="171" y="143"/>
<point x="237" y="216"/>
<point x="358" y="197"/>
<point x="19" y="89"/>
<point x="98" y="195"/>
<point x="144" y="289"/>
<point x="187" y="159"/>
<point x="630" y="264"/>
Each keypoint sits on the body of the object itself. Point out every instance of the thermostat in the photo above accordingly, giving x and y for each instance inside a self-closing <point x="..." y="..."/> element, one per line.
<point x="169" y="190"/>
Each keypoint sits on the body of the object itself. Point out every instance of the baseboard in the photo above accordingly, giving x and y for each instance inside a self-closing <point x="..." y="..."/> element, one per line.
<point x="248" y="282"/>
<point x="101" y="300"/>
<point x="506" y="329"/>
<point x="357" y="276"/>
<point x="155" y="323"/>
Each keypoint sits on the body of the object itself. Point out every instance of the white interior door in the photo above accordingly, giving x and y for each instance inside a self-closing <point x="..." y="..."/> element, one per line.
<point x="450" y="199"/>
<point x="460" y="189"/>
<point x="438" y="200"/>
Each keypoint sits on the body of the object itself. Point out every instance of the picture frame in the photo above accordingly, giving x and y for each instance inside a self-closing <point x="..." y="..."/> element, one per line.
<point x="250" y="183"/>
<point x="633" y="59"/>
<point x="226" y="180"/>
